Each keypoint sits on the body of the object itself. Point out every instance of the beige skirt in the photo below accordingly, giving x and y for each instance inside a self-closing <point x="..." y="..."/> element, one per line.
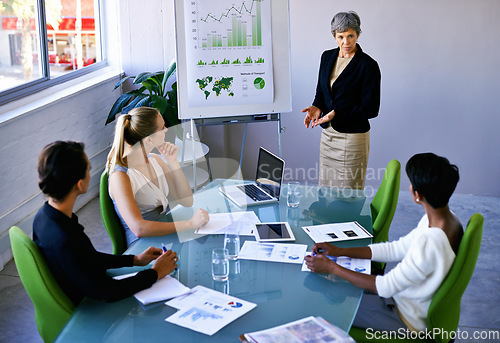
<point x="343" y="158"/>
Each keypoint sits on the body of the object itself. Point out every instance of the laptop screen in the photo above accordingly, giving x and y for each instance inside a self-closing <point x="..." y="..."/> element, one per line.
<point x="270" y="170"/>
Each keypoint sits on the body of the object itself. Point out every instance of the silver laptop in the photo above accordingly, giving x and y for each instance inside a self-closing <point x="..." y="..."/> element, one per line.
<point x="267" y="185"/>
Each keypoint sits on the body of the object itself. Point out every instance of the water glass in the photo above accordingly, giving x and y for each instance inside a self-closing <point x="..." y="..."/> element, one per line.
<point x="220" y="264"/>
<point x="232" y="244"/>
<point x="293" y="195"/>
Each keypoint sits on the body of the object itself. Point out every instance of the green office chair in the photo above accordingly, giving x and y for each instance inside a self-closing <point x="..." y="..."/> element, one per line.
<point x="52" y="307"/>
<point x="110" y="219"/>
<point x="444" y="310"/>
<point x="383" y="207"/>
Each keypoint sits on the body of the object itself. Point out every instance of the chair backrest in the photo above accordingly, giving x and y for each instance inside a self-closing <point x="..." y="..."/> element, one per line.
<point x="384" y="203"/>
<point x="444" y="310"/>
<point x="52" y="306"/>
<point x="110" y="219"/>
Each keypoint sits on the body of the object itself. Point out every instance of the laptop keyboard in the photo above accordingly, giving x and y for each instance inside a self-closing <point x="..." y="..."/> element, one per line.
<point x="254" y="192"/>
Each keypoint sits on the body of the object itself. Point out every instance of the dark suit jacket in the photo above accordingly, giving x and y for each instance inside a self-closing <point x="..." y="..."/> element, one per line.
<point x="355" y="95"/>
<point x="78" y="268"/>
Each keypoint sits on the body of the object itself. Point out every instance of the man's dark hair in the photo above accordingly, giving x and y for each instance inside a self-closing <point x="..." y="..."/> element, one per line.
<point x="433" y="177"/>
<point x="60" y="166"/>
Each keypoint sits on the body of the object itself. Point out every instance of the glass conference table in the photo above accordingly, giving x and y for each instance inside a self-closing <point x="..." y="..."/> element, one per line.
<point x="282" y="292"/>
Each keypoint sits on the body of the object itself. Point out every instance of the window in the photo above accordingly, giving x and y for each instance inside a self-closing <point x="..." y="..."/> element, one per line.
<point x="45" y="42"/>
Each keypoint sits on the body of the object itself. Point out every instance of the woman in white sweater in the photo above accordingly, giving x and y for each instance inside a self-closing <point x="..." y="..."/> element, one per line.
<point x="425" y="255"/>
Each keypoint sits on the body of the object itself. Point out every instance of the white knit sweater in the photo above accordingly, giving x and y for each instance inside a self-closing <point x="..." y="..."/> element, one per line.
<point x="425" y="257"/>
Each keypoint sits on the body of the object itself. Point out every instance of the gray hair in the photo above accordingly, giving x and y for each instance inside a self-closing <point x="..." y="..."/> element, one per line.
<point x="343" y="21"/>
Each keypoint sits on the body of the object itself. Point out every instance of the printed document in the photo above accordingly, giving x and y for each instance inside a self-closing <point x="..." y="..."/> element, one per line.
<point x="163" y="289"/>
<point x="219" y="223"/>
<point x="273" y="252"/>
<point x="359" y="265"/>
<point x="310" y="329"/>
<point x="207" y="311"/>
<point x="336" y="232"/>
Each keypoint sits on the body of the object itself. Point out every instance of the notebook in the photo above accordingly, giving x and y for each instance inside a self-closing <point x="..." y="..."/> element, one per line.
<point x="267" y="185"/>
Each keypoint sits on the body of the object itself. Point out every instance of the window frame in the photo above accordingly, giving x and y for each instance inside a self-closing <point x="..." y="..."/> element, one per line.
<point x="45" y="81"/>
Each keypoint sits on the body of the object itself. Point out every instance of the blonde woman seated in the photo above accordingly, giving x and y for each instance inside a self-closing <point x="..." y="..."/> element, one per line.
<point x="141" y="183"/>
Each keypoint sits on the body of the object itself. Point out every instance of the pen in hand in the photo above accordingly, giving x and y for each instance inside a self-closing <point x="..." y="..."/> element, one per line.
<point x="164" y="248"/>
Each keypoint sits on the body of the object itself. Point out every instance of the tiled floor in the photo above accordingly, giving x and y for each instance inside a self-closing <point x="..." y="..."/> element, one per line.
<point x="480" y="304"/>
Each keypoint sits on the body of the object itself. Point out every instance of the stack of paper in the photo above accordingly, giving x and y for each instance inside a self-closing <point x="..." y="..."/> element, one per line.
<point x="207" y="311"/>
<point x="163" y="289"/>
<point x="219" y="223"/>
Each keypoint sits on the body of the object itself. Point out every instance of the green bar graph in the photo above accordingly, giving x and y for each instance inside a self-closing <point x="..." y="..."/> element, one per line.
<point x="254" y="31"/>
<point x="259" y="24"/>
<point x="235" y="30"/>
<point x="244" y="35"/>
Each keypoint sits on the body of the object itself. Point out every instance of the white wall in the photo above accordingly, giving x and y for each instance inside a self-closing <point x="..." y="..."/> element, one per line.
<point x="440" y="72"/>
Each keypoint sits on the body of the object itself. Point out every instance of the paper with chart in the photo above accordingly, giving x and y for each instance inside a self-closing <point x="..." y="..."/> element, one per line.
<point x="163" y="289"/>
<point x="229" y="52"/>
<point x="359" y="265"/>
<point x="336" y="232"/>
<point x="273" y="252"/>
<point x="207" y="311"/>
<point x="219" y="223"/>
<point x="310" y="329"/>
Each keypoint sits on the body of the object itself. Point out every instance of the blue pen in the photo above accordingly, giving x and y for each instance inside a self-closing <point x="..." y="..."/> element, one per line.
<point x="165" y="250"/>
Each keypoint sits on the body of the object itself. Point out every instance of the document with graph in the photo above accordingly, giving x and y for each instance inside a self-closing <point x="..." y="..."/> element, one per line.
<point x="207" y="311"/>
<point x="273" y="252"/>
<point x="336" y="232"/>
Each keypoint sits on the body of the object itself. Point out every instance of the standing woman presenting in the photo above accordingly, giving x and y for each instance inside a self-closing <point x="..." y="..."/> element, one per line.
<point x="347" y="95"/>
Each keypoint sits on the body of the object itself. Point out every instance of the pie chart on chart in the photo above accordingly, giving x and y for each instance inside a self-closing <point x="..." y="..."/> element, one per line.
<point x="259" y="83"/>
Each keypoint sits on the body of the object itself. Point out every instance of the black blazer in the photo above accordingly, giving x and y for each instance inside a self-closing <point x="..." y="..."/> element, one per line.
<point x="354" y="96"/>
<point x="78" y="268"/>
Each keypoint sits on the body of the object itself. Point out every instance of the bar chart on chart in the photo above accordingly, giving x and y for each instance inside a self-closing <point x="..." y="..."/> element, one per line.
<point x="229" y="52"/>
<point x="237" y="26"/>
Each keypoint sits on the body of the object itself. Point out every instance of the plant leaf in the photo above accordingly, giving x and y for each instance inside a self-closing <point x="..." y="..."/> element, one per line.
<point x="170" y="70"/>
<point x="144" y="102"/>
<point x="133" y="103"/>
<point x="159" y="103"/>
<point x="144" y="76"/>
<point x="118" y="106"/>
<point x="122" y="81"/>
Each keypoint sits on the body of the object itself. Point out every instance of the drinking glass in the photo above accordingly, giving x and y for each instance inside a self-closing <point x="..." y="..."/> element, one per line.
<point x="220" y="264"/>
<point x="293" y="195"/>
<point x="232" y="243"/>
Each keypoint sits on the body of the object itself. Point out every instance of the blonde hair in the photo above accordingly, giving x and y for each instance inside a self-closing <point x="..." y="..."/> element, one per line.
<point x="131" y="128"/>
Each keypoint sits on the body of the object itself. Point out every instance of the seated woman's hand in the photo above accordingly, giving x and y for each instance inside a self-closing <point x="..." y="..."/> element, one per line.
<point x="168" y="151"/>
<point x="147" y="256"/>
<point x="199" y="218"/>
<point x="320" y="264"/>
<point x="165" y="264"/>
<point x="325" y="249"/>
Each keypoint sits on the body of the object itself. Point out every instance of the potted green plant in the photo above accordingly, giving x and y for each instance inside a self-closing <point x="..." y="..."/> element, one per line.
<point x="153" y="92"/>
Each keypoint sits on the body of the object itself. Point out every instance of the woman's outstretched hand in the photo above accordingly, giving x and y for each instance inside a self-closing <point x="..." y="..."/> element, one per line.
<point x="312" y="116"/>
